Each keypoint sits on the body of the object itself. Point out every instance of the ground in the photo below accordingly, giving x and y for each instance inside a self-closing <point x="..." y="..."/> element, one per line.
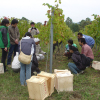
<point x="86" y="86"/>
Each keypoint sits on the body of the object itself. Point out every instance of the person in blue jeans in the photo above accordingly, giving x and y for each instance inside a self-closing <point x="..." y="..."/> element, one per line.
<point x="14" y="38"/>
<point x="28" y="48"/>
<point x="77" y="66"/>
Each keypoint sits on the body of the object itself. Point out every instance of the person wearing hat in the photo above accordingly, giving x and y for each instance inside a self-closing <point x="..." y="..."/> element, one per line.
<point x="33" y="30"/>
<point x="39" y="52"/>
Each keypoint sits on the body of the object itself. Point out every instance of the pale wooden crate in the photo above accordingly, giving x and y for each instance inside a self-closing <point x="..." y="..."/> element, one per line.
<point x="63" y="81"/>
<point x="50" y="81"/>
<point x="1" y="68"/>
<point x="37" y="88"/>
<point x="96" y="65"/>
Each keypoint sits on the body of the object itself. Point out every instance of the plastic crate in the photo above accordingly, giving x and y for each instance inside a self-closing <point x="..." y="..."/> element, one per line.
<point x="50" y="81"/>
<point x="1" y="68"/>
<point x="37" y="88"/>
<point x="96" y="65"/>
<point x="63" y="81"/>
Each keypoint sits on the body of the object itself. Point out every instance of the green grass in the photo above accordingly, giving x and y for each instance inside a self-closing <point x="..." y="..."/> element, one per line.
<point x="86" y="85"/>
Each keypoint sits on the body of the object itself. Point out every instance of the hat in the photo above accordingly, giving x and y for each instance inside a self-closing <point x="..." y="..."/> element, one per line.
<point x="36" y="39"/>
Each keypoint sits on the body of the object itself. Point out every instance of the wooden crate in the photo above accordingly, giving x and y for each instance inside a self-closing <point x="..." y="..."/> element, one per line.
<point x="96" y="65"/>
<point x="63" y="80"/>
<point x="50" y="81"/>
<point x="1" y="68"/>
<point x="37" y="88"/>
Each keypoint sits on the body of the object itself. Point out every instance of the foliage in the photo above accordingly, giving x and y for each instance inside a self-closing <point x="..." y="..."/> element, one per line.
<point x="93" y="29"/>
<point x="61" y="32"/>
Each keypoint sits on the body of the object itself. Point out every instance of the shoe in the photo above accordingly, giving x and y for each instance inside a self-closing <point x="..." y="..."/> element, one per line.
<point x="81" y="72"/>
<point x="9" y="66"/>
<point x="6" y="70"/>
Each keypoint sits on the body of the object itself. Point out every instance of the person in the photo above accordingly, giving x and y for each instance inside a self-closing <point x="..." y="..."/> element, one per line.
<point x="4" y="41"/>
<point x="25" y="71"/>
<point x="89" y="40"/>
<point x="39" y="53"/>
<point x="86" y="50"/>
<point x="33" y="30"/>
<point x="14" y="38"/>
<point x="67" y="53"/>
<point x="76" y="67"/>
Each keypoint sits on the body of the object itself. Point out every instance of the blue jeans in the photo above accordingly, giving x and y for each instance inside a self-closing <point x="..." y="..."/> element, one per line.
<point x="73" y="68"/>
<point x="12" y="48"/>
<point x="25" y="72"/>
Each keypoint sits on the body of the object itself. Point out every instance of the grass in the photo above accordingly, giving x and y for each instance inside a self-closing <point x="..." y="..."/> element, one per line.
<point x="86" y="86"/>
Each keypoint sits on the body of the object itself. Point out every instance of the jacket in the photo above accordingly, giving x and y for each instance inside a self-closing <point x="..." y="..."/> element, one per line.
<point x="38" y="50"/>
<point x="14" y="34"/>
<point x="67" y="46"/>
<point x="27" y="45"/>
<point x="4" y="37"/>
<point x="89" y="40"/>
<point x="76" y="57"/>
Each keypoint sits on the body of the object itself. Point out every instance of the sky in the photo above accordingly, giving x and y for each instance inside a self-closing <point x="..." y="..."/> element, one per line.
<point x="33" y="10"/>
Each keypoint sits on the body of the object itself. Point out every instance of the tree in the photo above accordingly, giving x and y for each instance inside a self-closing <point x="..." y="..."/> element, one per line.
<point x="75" y="27"/>
<point x="23" y="18"/>
<point x="69" y="21"/>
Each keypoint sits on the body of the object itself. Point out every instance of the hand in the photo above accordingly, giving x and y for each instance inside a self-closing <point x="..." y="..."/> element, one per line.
<point x="6" y="49"/>
<point x="45" y="53"/>
<point x="16" y="41"/>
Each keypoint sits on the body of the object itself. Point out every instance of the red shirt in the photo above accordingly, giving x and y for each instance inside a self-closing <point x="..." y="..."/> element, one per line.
<point x="87" y="51"/>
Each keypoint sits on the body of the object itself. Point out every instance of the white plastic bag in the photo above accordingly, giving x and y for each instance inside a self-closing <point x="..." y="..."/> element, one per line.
<point x="16" y="63"/>
<point x="1" y="68"/>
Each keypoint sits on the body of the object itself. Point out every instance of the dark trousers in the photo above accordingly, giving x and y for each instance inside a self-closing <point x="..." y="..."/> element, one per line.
<point x="3" y="59"/>
<point x="12" y="48"/>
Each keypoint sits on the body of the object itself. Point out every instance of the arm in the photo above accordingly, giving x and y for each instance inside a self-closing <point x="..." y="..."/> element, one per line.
<point x="37" y="31"/>
<point x="4" y="36"/>
<point x="42" y="52"/>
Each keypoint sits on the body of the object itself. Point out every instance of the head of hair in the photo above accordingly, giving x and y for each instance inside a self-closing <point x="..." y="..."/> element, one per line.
<point x="73" y="48"/>
<point x="32" y="23"/>
<point x="70" y="41"/>
<point x="80" y="34"/>
<point x="28" y="34"/>
<point x="14" y="21"/>
<point x="4" y="22"/>
<point x="82" y="40"/>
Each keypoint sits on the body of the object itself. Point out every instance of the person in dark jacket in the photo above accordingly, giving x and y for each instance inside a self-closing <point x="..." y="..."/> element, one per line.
<point x="4" y="41"/>
<point x="77" y="66"/>
<point x="28" y="48"/>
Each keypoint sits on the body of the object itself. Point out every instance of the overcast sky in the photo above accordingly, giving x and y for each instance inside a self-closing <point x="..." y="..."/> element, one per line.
<point x="35" y="11"/>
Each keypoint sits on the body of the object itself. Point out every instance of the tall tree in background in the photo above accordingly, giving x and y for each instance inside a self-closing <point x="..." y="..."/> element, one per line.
<point x="69" y="21"/>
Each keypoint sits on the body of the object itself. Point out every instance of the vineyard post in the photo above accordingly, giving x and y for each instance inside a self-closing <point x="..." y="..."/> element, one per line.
<point x="51" y="41"/>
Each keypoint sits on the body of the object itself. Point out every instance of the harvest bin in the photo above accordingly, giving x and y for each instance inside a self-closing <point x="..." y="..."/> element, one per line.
<point x="1" y="68"/>
<point x="37" y="88"/>
<point x="50" y="81"/>
<point x="96" y="65"/>
<point x="64" y="80"/>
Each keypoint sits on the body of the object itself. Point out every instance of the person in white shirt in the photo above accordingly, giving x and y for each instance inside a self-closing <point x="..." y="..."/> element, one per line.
<point x="39" y="53"/>
<point x="33" y="30"/>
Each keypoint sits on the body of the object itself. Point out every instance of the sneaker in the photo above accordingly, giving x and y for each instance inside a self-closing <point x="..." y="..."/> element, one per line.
<point x="9" y="66"/>
<point x="6" y="70"/>
<point x="81" y="72"/>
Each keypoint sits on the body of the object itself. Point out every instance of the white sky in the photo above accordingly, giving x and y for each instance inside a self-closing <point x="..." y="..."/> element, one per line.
<point x="35" y="11"/>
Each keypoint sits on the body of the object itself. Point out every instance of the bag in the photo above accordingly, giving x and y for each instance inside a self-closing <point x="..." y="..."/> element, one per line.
<point x="16" y="63"/>
<point x="85" y="60"/>
<point x="23" y="58"/>
<point x="1" y="68"/>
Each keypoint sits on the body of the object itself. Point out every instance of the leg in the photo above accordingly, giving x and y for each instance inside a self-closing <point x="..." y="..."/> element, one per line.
<point x="22" y="73"/>
<point x="73" y="68"/>
<point x="28" y="71"/>
<point x="10" y="54"/>
<point x="4" y="55"/>
<point x="15" y="49"/>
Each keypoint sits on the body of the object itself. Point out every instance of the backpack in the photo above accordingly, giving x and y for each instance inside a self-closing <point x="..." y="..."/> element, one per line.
<point x="85" y="60"/>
